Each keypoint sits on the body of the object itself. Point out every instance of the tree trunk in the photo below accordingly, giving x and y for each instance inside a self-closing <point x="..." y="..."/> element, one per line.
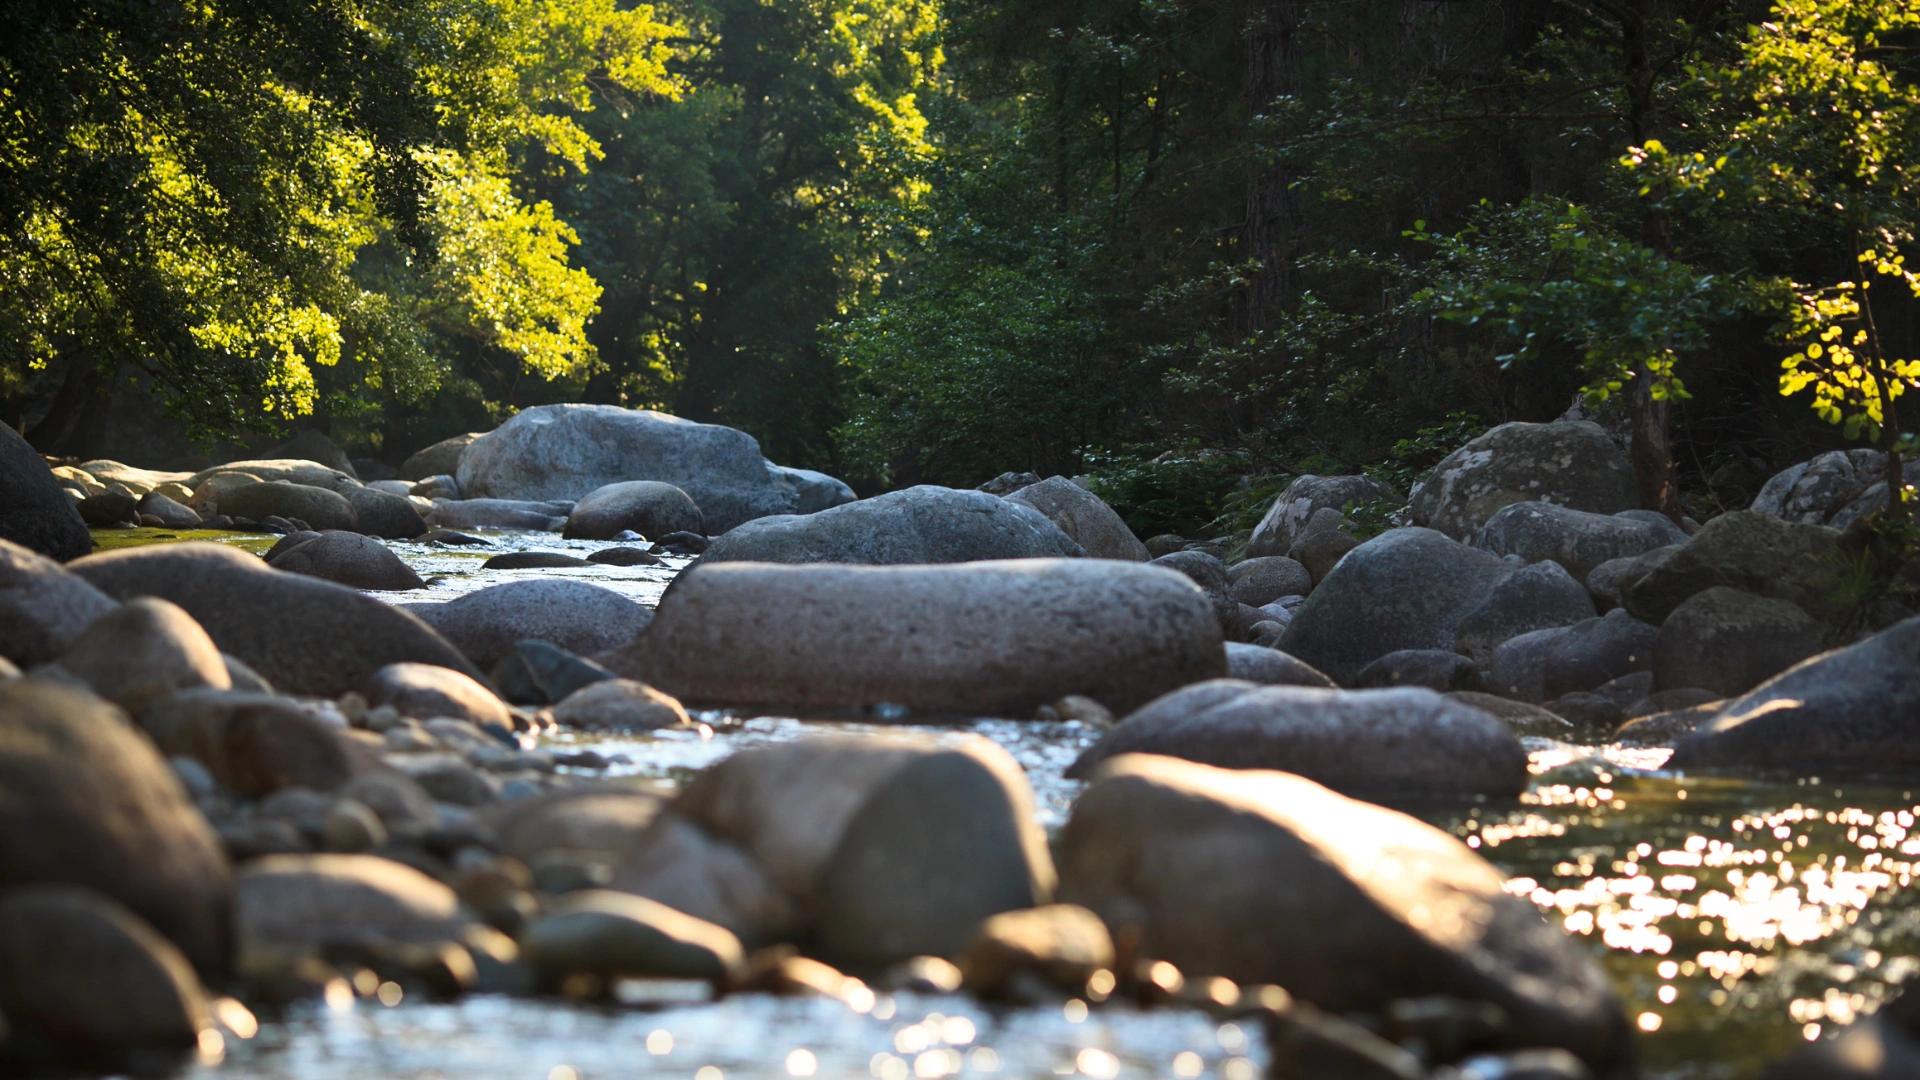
<point x="1650" y="453"/>
<point x="1267" y="239"/>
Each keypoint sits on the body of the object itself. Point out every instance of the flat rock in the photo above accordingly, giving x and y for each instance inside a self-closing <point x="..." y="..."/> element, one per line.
<point x="983" y="638"/>
<point x="917" y="525"/>
<point x="1408" y="742"/>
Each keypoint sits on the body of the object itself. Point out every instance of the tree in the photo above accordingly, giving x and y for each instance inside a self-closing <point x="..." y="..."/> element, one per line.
<point x="229" y="196"/>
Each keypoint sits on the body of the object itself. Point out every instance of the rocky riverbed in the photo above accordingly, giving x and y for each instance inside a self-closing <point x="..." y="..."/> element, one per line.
<point x="1532" y="785"/>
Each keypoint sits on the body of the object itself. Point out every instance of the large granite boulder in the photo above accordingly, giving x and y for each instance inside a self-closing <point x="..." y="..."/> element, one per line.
<point x="578" y="617"/>
<point x="86" y="800"/>
<point x="1834" y="489"/>
<point x="1403" y="589"/>
<point x="1571" y="463"/>
<point x="34" y="512"/>
<point x="1545" y="664"/>
<point x="1385" y="744"/>
<point x="1535" y="597"/>
<point x="1846" y="712"/>
<point x="812" y="491"/>
<point x="281" y="470"/>
<point x="1755" y="553"/>
<point x="303" y="635"/>
<point x="1266" y="877"/>
<point x="1083" y="516"/>
<point x="998" y="638"/>
<point x="1577" y="540"/>
<point x="917" y="525"/>
<point x="1286" y="521"/>
<point x="42" y="606"/>
<point x="567" y="451"/>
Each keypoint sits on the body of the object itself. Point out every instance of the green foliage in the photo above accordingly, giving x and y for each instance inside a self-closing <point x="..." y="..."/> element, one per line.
<point x="1551" y="278"/>
<point x="1184" y="492"/>
<point x="231" y="197"/>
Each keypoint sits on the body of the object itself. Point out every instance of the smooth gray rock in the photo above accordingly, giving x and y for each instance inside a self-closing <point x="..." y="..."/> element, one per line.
<point x="253" y="743"/>
<point x="1546" y="664"/>
<point x="1286" y="521"/>
<point x="612" y="934"/>
<point x="996" y="638"/>
<point x="1403" y="589"/>
<point x="1265" y="877"/>
<point x="619" y="705"/>
<point x="947" y="841"/>
<point x="42" y="606"/>
<point x="1271" y="667"/>
<point x="288" y="907"/>
<point x="1846" y="712"/>
<point x="1531" y="598"/>
<point x="384" y="514"/>
<point x="566" y="451"/>
<point x="440" y="459"/>
<point x="1729" y="642"/>
<point x="143" y="650"/>
<point x="1406" y="743"/>
<point x="283" y="470"/>
<point x="647" y="507"/>
<point x="1570" y="463"/>
<point x="914" y="526"/>
<point x="1608" y="582"/>
<point x="541" y="673"/>
<point x="581" y="618"/>
<point x="1435" y="669"/>
<point x="424" y="691"/>
<point x="344" y="557"/>
<point x="1577" y="540"/>
<point x="498" y="514"/>
<point x="1323" y="543"/>
<point x="90" y="802"/>
<point x="812" y="491"/>
<point x="318" y="507"/>
<point x="1755" y="553"/>
<point x="1263" y="580"/>
<point x="109" y="510"/>
<point x="34" y="512"/>
<point x="1083" y="516"/>
<point x="304" y="635"/>
<point x="172" y="515"/>
<point x="84" y="980"/>
<point x="533" y="560"/>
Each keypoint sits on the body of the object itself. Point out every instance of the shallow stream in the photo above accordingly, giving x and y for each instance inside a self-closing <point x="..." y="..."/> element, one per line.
<point x="1737" y="917"/>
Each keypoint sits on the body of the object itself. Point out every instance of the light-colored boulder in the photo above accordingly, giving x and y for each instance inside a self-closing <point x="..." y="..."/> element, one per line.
<point x="990" y="638"/>
<point x="425" y="692"/>
<point x="1286" y="521"/>
<point x="812" y="491"/>
<point x="1083" y="516"/>
<point x="1265" y="877"/>
<point x="566" y="451"/>
<point x="917" y="525"/>
<point x="1570" y="463"/>
<point x="619" y="705"/>
<point x="1404" y="743"/>
<point x="614" y="934"/>
<point x="1577" y="540"/>
<point x="283" y="470"/>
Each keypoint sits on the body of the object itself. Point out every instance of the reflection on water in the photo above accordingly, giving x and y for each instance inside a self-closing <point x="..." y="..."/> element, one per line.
<point x="898" y="1037"/>
<point x="1737" y="917"/>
